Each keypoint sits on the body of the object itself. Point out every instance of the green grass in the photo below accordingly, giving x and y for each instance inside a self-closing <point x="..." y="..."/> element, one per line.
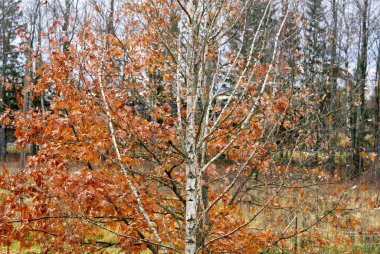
<point x="13" y="149"/>
<point x="358" y="248"/>
<point x="15" y="248"/>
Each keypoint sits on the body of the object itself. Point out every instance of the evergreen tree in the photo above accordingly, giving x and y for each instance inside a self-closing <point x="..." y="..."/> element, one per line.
<point x="10" y="22"/>
<point x="315" y="40"/>
<point x="10" y="14"/>
<point x="314" y="66"/>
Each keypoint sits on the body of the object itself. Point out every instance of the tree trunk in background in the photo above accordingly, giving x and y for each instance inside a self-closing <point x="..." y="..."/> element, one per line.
<point x="350" y="123"/>
<point x="4" y="42"/>
<point x="362" y="74"/>
<point x="377" y="103"/>
<point x="3" y="145"/>
<point x="28" y="78"/>
<point x="65" y="26"/>
<point x="34" y="24"/>
<point x="110" y="26"/>
<point x="333" y="90"/>
<point x="34" y="147"/>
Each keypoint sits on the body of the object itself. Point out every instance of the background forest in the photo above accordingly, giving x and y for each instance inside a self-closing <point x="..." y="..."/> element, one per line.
<point x="171" y="126"/>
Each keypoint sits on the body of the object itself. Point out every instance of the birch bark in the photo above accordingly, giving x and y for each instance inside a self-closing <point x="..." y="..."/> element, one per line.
<point x="192" y="195"/>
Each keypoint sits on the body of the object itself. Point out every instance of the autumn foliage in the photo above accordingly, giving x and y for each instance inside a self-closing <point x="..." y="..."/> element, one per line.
<point x="112" y="156"/>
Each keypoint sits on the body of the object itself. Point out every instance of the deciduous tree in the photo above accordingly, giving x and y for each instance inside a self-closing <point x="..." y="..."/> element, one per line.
<point x="138" y="144"/>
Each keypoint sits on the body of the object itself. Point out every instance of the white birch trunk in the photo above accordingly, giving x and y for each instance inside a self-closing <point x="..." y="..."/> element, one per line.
<point x="191" y="228"/>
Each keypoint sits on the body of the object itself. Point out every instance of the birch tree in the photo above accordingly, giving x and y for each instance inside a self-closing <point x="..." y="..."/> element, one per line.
<point x="180" y="131"/>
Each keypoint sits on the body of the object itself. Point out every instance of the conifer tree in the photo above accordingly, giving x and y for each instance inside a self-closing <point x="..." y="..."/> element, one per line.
<point x="10" y="22"/>
<point x="314" y="61"/>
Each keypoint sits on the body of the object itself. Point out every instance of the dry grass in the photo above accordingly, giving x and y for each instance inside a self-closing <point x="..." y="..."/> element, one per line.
<point x="357" y="220"/>
<point x="353" y="226"/>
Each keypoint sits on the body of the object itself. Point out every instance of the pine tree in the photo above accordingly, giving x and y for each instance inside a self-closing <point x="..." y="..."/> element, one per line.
<point x="10" y="22"/>
<point x="314" y="62"/>
<point x="315" y="43"/>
